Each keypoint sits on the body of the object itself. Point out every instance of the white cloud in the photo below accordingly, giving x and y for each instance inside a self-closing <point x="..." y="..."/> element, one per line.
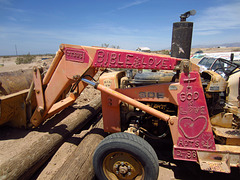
<point x="135" y="3"/>
<point x="6" y="2"/>
<point x="34" y="39"/>
<point x="214" y="20"/>
<point x="7" y="5"/>
<point x="207" y="32"/>
<point x="12" y="18"/>
<point x="113" y="28"/>
<point x="14" y="9"/>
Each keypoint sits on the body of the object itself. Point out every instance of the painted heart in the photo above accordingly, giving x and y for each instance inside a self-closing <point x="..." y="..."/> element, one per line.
<point x="192" y="128"/>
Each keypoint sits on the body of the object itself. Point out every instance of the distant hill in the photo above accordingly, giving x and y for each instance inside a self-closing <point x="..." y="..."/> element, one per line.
<point x="216" y="49"/>
<point x="236" y="44"/>
<point x="232" y="44"/>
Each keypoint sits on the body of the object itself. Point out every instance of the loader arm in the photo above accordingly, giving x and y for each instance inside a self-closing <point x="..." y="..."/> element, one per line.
<point x="73" y="62"/>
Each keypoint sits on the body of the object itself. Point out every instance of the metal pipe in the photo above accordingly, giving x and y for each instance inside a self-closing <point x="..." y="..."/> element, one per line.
<point x="129" y="100"/>
<point x="89" y="82"/>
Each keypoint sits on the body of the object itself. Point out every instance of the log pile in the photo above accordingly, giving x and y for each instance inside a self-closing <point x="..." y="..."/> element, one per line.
<point x="76" y="163"/>
<point x="24" y="164"/>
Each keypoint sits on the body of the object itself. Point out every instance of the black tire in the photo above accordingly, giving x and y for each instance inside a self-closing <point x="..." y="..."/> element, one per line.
<point x="121" y="150"/>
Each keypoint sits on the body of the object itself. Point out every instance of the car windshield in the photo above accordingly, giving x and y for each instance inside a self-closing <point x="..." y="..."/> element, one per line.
<point x="207" y="62"/>
<point x="218" y="65"/>
<point x="221" y="66"/>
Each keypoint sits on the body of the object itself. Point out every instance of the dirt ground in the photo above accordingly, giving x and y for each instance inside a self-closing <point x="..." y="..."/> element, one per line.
<point x="8" y="63"/>
<point x="13" y="141"/>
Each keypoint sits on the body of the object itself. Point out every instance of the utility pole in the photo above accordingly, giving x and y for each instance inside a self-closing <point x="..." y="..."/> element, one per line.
<point x="16" y="49"/>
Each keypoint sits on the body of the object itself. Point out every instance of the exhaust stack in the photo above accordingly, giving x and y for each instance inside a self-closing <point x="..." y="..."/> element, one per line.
<point x="182" y="36"/>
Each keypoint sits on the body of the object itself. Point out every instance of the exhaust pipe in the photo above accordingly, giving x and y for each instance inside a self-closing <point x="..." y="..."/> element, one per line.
<point x="182" y="36"/>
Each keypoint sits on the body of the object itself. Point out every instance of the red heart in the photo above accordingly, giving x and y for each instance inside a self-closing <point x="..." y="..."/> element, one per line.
<point x="192" y="128"/>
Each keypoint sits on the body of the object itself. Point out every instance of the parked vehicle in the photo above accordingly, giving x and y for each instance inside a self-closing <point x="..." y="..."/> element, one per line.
<point x="221" y="66"/>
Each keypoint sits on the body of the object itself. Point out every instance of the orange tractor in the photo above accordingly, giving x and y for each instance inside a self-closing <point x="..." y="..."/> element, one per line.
<point x="152" y="95"/>
<point x="201" y="110"/>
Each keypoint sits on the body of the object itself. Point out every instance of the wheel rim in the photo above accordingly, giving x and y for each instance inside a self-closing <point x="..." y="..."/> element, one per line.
<point x="122" y="165"/>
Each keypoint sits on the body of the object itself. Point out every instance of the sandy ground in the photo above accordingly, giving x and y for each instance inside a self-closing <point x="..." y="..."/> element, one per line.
<point x="8" y="63"/>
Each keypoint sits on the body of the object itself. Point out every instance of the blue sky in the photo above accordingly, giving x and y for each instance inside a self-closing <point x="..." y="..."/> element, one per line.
<point x="40" y="26"/>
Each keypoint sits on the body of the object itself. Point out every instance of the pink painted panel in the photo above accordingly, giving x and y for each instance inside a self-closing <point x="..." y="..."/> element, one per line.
<point x="133" y="60"/>
<point x="193" y="120"/>
<point x="76" y="55"/>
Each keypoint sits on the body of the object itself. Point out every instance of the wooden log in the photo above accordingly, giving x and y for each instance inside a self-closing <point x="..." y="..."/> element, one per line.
<point x="79" y="164"/>
<point x="25" y="163"/>
<point x="59" y="158"/>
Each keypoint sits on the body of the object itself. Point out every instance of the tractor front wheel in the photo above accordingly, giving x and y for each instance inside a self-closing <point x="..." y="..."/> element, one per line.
<point x="125" y="156"/>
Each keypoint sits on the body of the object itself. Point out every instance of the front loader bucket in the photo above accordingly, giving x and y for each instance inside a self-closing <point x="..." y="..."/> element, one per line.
<point x="15" y="81"/>
<point x="14" y="88"/>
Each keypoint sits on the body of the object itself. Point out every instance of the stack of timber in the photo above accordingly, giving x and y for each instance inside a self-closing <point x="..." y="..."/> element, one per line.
<point x="44" y="141"/>
<point x="73" y="160"/>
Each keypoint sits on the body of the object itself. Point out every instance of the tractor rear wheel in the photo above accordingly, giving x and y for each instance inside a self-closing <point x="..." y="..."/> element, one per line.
<point x="125" y="156"/>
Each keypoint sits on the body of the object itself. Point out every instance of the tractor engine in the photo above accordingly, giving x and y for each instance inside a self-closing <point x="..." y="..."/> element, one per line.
<point x="132" y="117"/>
<point x="129" y="82"/>
<point x="148" y="124"/>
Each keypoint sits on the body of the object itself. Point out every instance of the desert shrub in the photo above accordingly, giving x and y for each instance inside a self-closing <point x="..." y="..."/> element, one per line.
<point x="25" y="59"/>
<point x="236" y="49"/>
<point x="112" y="46"/>
<point x="167" y="52"/>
